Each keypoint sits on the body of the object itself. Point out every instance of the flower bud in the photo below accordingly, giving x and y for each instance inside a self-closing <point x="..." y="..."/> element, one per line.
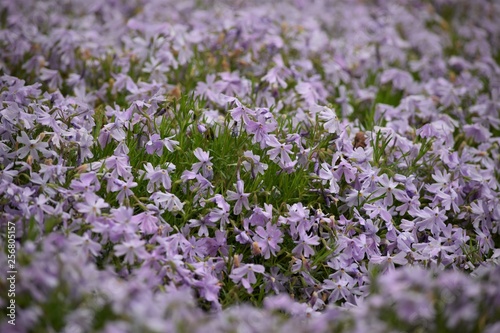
<point x="256" y="249"/>
<point x="82" y="168"/>
<point x="236" y="261"/>
<point x="201" y="128"/>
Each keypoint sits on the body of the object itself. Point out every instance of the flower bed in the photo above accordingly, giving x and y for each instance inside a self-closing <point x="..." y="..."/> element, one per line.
<point x="187" y="166"/>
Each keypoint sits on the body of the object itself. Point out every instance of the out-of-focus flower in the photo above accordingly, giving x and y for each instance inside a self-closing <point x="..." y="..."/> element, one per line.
<point x="87" y="245"/>
<point x="245" y="274"/>
<point x="32" y="147"/>
<point x="131" y="249"/>
<point x="92" y="205"/>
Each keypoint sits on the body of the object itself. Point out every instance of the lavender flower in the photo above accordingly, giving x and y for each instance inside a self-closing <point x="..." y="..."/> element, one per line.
<point x="304" y="244"/>
<point x="245" y="274"/>
<point x="204" y="163"/>
<point x="382" y="196"/>
<point x="239" y="196"/>
<point x="131" y="249"/>
<point x="92" y="205"/>
<point x="168" y="201"/>
<point x="253" y="164"/>
<point x="279" y="149"/>
<point x="268" y="239"/>
<point x="156" y="176"/>
<point x="32" y="147"/>
<point x="88" y="246"/>
<point x="332" y="123"/>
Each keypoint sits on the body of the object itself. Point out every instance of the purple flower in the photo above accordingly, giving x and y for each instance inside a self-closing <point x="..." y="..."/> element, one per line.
<point x="148" y="223"/>
<point x="275" y="281"/>
<point x="478" y="132"/>
<point x="218" y="243"/>
<point x="364" y="246"/>
<point x="279" y="149"/>
<point x="433" y="248"/>
<point x="157" y="176"/>
<point x="31" y="147"/>
<point x="356" y="197"/>
<point x="449" y="200"/>
<point x="327" y="174"/>
<point x="378" y="209"/>
<point x="239" y="196"/>
<point x="304" y="245"/>
<point x="308" y="92"/>
<point x="209" y="90"/>
<point x="347" y="170"/>
<point x="168" y="201"/>
<point x="15" y="114"/>
<point x="252" y="163"/>
<point x="88" y="182"/>
<point x="92" y="205"/>
<point x="40" y="207"/>
<point x="259" y="216"/>
<point x="245" y="274"/>
<point x="277" y="75"/>
<point x="7" y="174"/>
<point x="232" y="84"/>
<point x="209" y="287"/>
<point x="442" y="181"/>
<point x="485" y="240"/>
<point x="361" y="155"/>
<point x="268" y="239"/>
<point x="261" y="128"/>
<point x="203" y="225"/>
<point x="122" y="82"/>
<point x="243" y="236"/>
<point x="298" y="219"/>
<point x="343" y="100"/>
<point x="431" y="219"/>
<point x="131" y="249"/>
<point x="332" y="122"/>
<point x="339" y="289"/>
<point x="125" y="223"/>
<point x="195" y="248"/>
<point x="410" y="205"/>
<point x="116" y="130"/>
<point x="52" y="76"/>
<point x="221" y="213"/>
<point x="401" y="80"/>
<point x="119" y="165"/>
<point x="388" y="261"/>
<point x="87" y="245"/>
<point x="124" y="189"/>
<point x="388" y="187"/>
<point x="156" y="144"/>
<point x="204" y="163"/>
<point x="447" y="93"/>
<point x="241" y="112"/>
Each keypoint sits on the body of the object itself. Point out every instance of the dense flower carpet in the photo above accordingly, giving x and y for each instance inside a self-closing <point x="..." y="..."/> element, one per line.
<point x="250" y="166"/>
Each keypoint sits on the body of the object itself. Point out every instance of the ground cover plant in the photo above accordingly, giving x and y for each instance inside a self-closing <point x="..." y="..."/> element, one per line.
<point x="250" y="166"/>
